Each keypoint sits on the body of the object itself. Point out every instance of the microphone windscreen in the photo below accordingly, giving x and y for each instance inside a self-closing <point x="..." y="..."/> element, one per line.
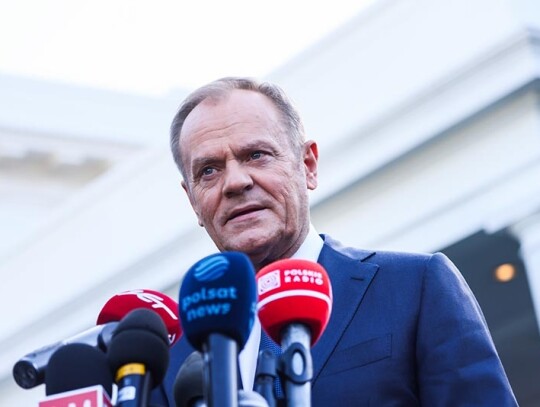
<point x="140" y="337"/>
<point x="76" y="366"/>
<point x="294" y="291"/>
<point x="120" y="304"/>
<point x="218" y="295"/>
<point x="189" y="383"/>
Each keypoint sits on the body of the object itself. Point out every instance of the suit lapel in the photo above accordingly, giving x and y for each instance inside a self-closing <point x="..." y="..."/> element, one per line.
<point x="350" y="277"/>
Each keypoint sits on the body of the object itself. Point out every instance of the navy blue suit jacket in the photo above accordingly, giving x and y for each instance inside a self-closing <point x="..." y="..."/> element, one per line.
<point x="405" y="330"/>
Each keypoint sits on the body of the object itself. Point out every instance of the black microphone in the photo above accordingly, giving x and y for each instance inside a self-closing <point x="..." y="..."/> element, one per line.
<point x="138" y="355"/>
<point x="75" y="366"/>
<point x="73" y="369"/>
<point x="188" y="387"/>
<point x="217" y="309"/>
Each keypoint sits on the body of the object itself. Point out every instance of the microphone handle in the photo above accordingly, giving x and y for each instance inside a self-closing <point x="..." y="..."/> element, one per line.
<point x="297" y="365"/>
<point x="134" y="385"/>
<point x="221" y="359"/>
<point x="265" y="376"/>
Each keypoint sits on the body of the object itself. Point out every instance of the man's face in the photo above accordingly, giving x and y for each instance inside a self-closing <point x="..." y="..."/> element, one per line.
<point x="246" y="183"/>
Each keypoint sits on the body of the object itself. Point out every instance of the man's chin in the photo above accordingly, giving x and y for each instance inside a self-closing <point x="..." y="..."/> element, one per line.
<point x="256" y="247"/>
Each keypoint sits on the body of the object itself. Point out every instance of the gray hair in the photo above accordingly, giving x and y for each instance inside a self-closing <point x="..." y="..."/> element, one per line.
<point x="222" y="87"/>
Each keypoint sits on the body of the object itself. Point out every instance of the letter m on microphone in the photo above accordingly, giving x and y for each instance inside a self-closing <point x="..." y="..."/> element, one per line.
<point x="93" y="396"/>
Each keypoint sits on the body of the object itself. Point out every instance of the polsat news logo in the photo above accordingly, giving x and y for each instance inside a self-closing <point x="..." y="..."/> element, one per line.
<point x="272" y="280"/>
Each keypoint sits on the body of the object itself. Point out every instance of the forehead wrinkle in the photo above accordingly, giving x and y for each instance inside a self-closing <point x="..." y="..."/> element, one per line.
<point x="207" y="131"/>
<point x="210" y="110"/>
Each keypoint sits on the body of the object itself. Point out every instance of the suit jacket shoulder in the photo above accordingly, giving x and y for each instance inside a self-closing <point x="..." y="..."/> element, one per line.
<point x="405" y="329"/>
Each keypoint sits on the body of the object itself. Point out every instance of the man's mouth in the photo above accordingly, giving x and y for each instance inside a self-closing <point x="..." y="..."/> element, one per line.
<point x="237" y="213"/>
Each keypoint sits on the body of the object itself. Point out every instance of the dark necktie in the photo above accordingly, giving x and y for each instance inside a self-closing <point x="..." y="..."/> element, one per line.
<point x="269" y="344"/>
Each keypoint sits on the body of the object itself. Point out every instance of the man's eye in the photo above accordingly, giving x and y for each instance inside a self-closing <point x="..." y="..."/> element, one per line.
<point x="256" y="155"/>
<point x="207" y="171"/>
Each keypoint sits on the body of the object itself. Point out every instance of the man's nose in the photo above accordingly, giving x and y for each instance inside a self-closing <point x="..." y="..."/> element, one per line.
<point x="237" y="179"/>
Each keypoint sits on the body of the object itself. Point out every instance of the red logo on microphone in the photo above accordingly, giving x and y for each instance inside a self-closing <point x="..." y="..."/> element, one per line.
<point x="269" y="281"/>
<point x="93" y="396"/>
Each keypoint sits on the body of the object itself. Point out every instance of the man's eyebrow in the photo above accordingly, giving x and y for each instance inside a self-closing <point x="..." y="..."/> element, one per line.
<point x="257" y="145"/>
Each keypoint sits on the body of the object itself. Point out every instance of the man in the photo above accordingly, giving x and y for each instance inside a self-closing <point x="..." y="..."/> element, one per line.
<point x="405" y="329"/>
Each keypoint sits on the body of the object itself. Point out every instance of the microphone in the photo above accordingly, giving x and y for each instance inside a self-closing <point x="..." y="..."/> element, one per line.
<point x="188" y="387"/>
<point x="122" y="303"/>
<point x="295" y="302"/>
<point x="71" y="372"/>
<point x="265" y="376"/>
<point x="29" y="371"/>
<point x="217" y="311"/>
<point x="139" y="356"/>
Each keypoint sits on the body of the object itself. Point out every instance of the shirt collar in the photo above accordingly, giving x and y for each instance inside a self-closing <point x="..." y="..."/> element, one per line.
<point x="311" y="247"/>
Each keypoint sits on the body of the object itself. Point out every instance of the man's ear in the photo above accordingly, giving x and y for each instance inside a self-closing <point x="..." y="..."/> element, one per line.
<point x="311" y="158"/>
<point x="192" y="202"/>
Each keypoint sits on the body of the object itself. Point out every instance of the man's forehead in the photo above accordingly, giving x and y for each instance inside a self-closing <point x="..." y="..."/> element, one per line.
<point x="237" y="101"/>
<point x="217" y="117"/>
<point x="238" y="105"/>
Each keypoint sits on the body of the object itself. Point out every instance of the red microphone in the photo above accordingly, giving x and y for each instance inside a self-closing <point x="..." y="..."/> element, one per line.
<point x="294" y="291"/>
<point x="121" y="304"/>
<point x="295" y="302"/>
